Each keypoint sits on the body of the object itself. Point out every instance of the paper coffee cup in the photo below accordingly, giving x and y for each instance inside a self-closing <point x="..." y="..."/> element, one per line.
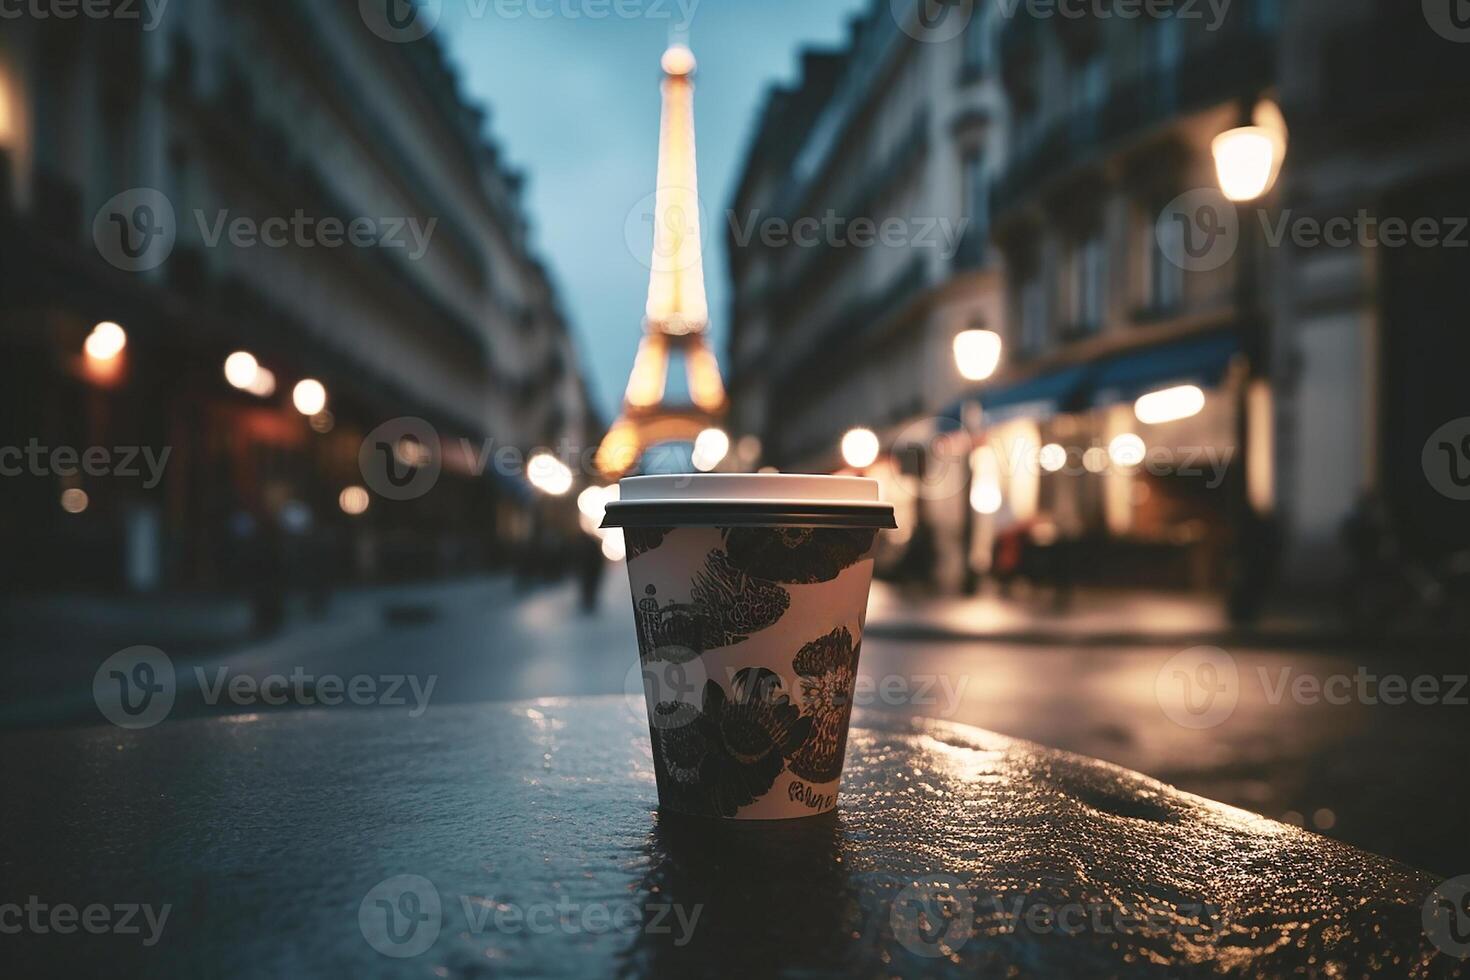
<point x="749" y="593"/>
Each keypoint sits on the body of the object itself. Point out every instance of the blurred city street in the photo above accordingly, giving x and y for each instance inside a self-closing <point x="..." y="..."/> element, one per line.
<point x="358" y="358"/>
<point x="1086" y="682"/>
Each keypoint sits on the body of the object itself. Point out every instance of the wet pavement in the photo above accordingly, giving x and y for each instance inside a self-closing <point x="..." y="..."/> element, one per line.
<point x="522" y="840"/>
<point x="1310" y="737"/>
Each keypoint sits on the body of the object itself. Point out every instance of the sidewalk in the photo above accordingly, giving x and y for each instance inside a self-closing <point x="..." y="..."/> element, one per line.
<point x="50" y="645"/>
<point x="1094" y="617"/>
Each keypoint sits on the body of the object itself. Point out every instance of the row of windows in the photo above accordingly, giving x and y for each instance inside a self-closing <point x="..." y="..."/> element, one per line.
<point x="1080" y="291"/>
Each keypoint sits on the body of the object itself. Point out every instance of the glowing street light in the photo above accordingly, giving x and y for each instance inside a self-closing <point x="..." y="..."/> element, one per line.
<point x="549" y="475"/>
<point x="710" y="448"/>
<point x="74" y="501"/>
<point x="354" y="501"/>
<point x="1169" y="405"/>
<point x="264" y="383"/>
<point x="309" y="396"/>
<point x="985" y="492"/>
<point x="241" y="370"/>
<point x="1052" y="457"/>
<point x="1248" y="159"/>
<point x="1127" y="450"/>
<point x="860" y="448"/>
<point x="105" y="342"/>
<point x="977" y="353"/>
<point x="593" y="501"/>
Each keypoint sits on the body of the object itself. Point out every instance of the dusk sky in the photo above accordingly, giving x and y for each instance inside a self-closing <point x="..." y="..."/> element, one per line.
<point x="575" y="103"/>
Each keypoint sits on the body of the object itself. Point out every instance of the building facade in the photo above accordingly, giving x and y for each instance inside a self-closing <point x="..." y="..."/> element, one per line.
<point x="859" y="250"/>
<point x="289" y="185"/>
<point x="1190" y="393"/>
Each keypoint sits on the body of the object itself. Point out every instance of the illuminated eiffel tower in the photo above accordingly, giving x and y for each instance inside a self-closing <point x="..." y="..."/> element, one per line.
<point x="678" y="312"/>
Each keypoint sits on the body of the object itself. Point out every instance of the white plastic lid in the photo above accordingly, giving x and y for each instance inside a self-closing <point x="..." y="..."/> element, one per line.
<point x="750" y="486"/>
<point x="749" y="499"/>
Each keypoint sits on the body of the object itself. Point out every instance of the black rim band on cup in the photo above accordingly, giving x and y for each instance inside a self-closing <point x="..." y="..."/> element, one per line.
<point x="725" y="513"/>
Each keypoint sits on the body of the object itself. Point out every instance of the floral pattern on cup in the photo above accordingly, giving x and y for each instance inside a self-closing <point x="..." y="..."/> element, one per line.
<point x="725" y="607"/>
<point x="797" y="555"/>
<point x="640" y="540"/>
<point x="828" y="670"/>
<point x="727" y="753"/>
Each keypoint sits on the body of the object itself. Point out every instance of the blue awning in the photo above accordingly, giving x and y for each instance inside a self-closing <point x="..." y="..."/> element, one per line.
<point x="1040" y="397"/>
<point x="1123" y="377"/>
<point x="1201" y="361"/>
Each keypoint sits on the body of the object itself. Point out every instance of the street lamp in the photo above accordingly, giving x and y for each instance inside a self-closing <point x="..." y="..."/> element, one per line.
<point x="710" y="448"/>
<point x="105" y="342"/>
<point x="985" y="493"/>
<point x="263" y="385"/>
<point x="1127" y="450"/>
<point x="309" y="396"/>
<point x="242" y="370"/>
<point x="1169" y="405"/>
<point x="977" y="353"/>
<point x="1052" y="457"/>
<point x="549" y="475"/>
<point x="1248" y="159"/>
<point x="354" y="501"/>
<point x="860" y="448"/>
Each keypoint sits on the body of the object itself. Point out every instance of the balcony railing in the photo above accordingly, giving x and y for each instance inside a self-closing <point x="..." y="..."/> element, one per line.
<point x="1237" y="61"/>
<point x="878" y="182"/>
<point x="970" y="254"/>
<point x="859" y="319"/>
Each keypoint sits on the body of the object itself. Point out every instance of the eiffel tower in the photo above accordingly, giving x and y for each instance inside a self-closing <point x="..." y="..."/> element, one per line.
<point x="678" y="311"/>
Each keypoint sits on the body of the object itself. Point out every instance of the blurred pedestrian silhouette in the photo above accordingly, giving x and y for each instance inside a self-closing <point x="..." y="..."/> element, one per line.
<point x="590" y="564"/>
